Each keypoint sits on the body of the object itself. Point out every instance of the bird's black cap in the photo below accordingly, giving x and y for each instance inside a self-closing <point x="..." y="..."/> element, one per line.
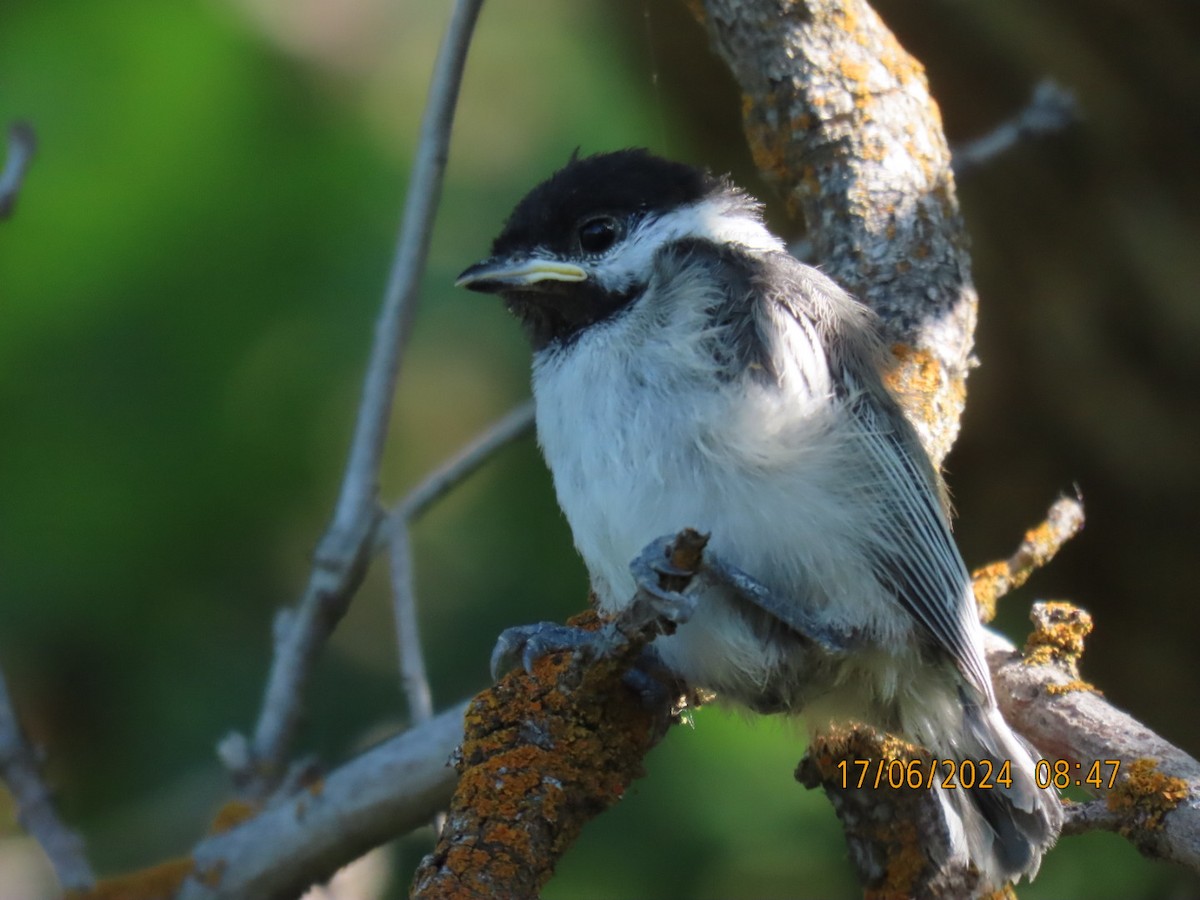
<point x="618" y="183"/>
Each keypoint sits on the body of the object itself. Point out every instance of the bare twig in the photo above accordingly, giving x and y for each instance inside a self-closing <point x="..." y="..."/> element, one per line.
<point x="343" y="552"/>
<point x="304" y="838"/>
<point x="408" y="635"/>
<point x="511" y="426"/>
<point x="392" y="329"/>
<point x="20" y="771"/>
<point x="22" y="143"/>
<point x="516" y="423"/>
<point x="1051" y="108"/>
<point x="1041" y="544"/>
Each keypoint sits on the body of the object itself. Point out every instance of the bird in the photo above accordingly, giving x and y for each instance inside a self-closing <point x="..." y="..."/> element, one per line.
<point x="687" y="371"/>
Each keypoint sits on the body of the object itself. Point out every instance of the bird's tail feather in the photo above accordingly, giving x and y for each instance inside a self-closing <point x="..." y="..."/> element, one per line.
<point x="1007" y="823"/>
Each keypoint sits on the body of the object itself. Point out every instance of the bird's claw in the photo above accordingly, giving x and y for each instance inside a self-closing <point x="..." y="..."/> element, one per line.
<point x="648" y="570"/>
<point x="524" y="645"/>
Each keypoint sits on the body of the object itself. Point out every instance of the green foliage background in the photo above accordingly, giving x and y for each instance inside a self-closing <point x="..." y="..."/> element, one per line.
<point x="186" y="297"/>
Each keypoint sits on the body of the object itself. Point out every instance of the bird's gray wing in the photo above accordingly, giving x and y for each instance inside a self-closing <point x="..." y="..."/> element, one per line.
<point x="913" y="552"/>
<point x="916" y="556"/>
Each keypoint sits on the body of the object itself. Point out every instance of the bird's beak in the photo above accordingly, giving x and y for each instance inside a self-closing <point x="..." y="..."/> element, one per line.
<point x="494" y="275"/>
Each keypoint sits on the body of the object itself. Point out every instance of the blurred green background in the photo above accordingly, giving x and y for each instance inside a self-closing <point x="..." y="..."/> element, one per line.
<point x="186" y="297"/>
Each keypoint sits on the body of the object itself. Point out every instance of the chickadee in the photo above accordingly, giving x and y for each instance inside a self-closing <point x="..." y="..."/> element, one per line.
<point x="689" y="372"/>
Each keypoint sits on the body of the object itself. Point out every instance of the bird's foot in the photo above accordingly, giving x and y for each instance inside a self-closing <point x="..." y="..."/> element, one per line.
<point x="790" y="611"/>
<point x="657" y="606"/>
<point x="524" y="645"/>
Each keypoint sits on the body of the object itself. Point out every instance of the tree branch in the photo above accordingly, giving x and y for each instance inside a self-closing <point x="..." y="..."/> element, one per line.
<point x="20" y="770"/>
<point x="343" y="552"/>
<point x="1155" y="802"/>
<point x="22" y="144"/>
<point x="1051" y="108"/>
<point x="1040" y="545"/>
<point x="304" y="838"/>
<point x="839" y="118"/>
<point x="545" y="751"/>
<point x="453" y="472"/>
<point x="408" y="634"/>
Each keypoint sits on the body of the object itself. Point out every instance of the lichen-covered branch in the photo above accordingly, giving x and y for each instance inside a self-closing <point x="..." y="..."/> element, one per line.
<point x="545" y="751"/>
<point x="1154" y="800"/>
<point x="839" y="118"/>
<point x="543" y="754"/>
<point x="895" y="830"/>
<point x="1039" y="546"/>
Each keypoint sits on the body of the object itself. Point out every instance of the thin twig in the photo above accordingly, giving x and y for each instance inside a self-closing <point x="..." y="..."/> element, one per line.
<point x="20" y="771"/>
<point x="408" y="636"/>
<point x="516" y="423"/>
<point x="343" y="551"/>
<point x="387" y="791"/>
<point x="513" y="425"/>
<point x="394" y="325"/>
<point x="458" y="468"/>
<point x="22" y="143"/>
<point x="413" y="674"/>
<point x="1051" y="108"/>
<point x="1040" y="545"/>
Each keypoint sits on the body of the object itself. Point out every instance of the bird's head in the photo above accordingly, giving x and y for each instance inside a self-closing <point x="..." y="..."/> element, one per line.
<point x="582" y="245"/>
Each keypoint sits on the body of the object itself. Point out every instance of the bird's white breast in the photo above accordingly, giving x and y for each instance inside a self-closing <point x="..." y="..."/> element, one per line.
<point x="643" y="440"/>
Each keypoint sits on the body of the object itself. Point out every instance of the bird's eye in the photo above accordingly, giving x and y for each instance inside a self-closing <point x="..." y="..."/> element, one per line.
<point x="598" y="234"/>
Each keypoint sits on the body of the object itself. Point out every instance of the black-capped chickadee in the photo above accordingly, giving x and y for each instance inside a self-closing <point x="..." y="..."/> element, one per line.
<point x="689" y="372"/>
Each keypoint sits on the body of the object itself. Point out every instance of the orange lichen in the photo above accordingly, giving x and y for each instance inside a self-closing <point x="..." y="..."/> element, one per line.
<point x="232" y="814"/>
<point x="696" y="8"/>
<point x="1058" y="635"/>
<point x="897" y="838"/>
<point x="906" y="861"/>
<point x="159" y="882"/>
<point x="1073" y="686"/>
<point x="917" y="371"/>
<point x="211" y="877"/>
<point x="765" y="141"/>
<point x="856" y="73"/>
<point x="1039" y="546"/>
<point x="845" y="18"/>
<point x="1146" y="795"/>
<point x="543" y="753"/>
<point x="916" y="382"/>
<point x="990" y="582"/>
